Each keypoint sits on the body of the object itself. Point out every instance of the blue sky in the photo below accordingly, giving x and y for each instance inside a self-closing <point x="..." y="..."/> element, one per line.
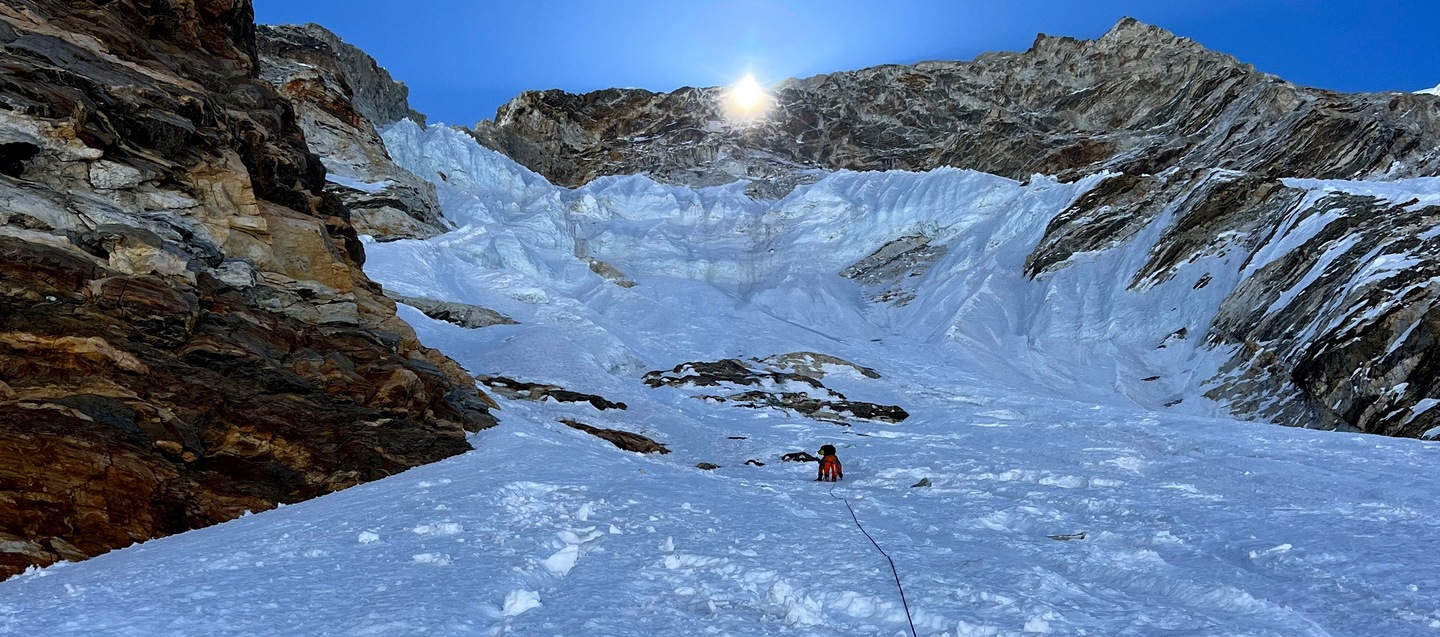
<point x="464" y="58"/>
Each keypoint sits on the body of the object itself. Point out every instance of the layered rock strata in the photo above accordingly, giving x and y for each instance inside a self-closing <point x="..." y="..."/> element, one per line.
<point x="1331" y="321"/>
<point x="185" y="331"/>
<point x="342" y="97"/>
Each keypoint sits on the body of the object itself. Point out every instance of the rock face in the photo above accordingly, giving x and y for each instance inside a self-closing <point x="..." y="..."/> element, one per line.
<point x="1331" y="320"/>
<point x="185" y="332"/>
<point x="342" y="97"/>
<point x="1327" y="318"/>
<point x="1138" y="100"/>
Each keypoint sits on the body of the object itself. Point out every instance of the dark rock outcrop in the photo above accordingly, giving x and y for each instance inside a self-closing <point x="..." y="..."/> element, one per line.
<point x="521" y="390"/>
<point x="185" y="331"/>
<point x="1138" y="100"/>
<point x="368" y="87"/>
<point x="787" y="382"/>
<point x="342" y="97"/>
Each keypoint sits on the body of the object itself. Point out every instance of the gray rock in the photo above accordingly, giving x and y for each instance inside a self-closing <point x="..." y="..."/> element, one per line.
<point x="462" y="314"/>
<point x="378" y="97"/>
<point x="342" y="97"/>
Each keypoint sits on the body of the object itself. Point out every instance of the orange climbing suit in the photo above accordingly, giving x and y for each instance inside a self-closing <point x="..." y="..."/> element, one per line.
<point x="830" y="469"/>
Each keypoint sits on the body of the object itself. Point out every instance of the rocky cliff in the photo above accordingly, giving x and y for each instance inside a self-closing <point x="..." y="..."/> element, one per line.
<point x="341" y="97"/>
<point x="1138" y="100"/>
<point x="185" y="331"/>
<point x="1326" y="318"/>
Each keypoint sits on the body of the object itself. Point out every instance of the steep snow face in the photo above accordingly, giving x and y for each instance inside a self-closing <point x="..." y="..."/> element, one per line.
<point x="935" y="261"/>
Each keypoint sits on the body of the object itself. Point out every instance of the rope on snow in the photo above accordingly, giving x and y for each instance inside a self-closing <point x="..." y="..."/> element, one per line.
<point x="893" y="570"/>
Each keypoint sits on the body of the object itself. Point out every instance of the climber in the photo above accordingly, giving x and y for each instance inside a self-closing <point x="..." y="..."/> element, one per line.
<point x="829" y="465"/>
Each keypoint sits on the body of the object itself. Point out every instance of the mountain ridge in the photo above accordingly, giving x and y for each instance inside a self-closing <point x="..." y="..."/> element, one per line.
<point x="1138" y="99"/>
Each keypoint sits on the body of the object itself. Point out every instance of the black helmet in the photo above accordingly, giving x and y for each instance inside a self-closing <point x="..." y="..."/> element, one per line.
<point x="827" y="450"/>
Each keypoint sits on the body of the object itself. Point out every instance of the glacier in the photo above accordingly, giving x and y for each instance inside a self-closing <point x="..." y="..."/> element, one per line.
<point x="1057" y="405"/>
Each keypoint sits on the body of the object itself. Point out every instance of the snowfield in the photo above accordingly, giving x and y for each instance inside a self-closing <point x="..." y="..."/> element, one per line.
<point x="1037" y="409"/>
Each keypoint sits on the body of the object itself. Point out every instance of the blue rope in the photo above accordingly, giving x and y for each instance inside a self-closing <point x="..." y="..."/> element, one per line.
<point x="893" y="570"/>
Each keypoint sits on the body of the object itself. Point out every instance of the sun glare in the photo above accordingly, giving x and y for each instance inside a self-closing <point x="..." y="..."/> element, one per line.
<point x="746" y="99"/>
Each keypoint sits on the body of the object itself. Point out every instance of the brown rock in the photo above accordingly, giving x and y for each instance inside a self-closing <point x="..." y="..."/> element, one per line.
<point x="185" y="333"/>
<point x="622" y="439"/>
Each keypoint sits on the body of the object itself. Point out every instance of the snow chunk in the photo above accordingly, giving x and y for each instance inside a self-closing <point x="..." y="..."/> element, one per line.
<point x="1037" y="624"/>
<point x="442" y="528"/>
<point x="574" y="537"/>
<point x="437" y="559"/>
<point x="562" y="561"/>
<point x="798" y="607"/>
<point x="368" y="537"/>
<point x="1283" y="548"/>
<point x="519" y="601"/>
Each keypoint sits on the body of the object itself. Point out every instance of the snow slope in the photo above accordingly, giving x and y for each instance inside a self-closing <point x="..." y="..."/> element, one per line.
<point x="1034" y="412"/>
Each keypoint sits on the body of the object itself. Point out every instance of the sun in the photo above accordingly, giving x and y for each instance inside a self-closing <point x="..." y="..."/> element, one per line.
<point x="747" y="100"/>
